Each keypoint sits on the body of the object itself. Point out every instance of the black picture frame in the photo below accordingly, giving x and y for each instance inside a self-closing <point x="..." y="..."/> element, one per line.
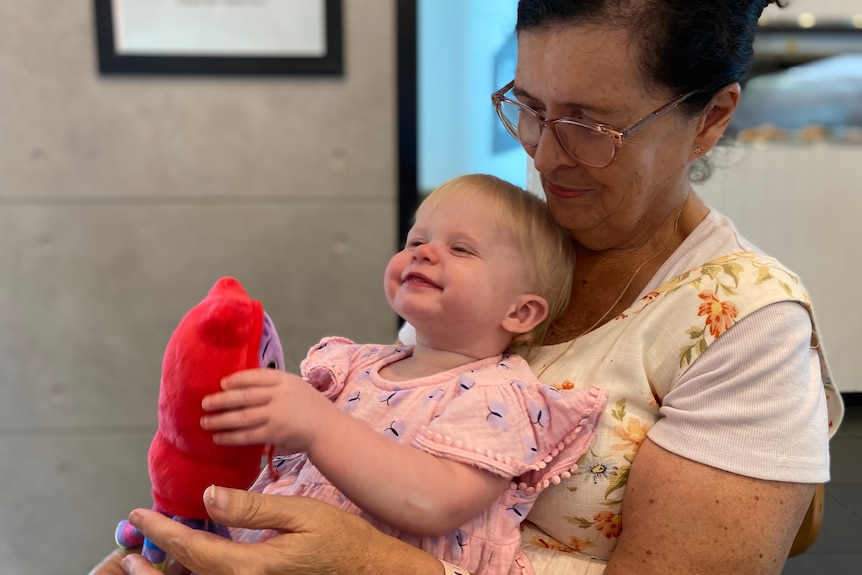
<point x="113" y="63"/>
<point x="406" y="18"/>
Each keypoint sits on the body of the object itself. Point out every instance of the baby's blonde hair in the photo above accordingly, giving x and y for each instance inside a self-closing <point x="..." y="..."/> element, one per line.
<point x="545" y="247"/>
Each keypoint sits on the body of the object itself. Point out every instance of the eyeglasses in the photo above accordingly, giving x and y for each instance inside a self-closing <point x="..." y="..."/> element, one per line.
<point x="590" y="143"/>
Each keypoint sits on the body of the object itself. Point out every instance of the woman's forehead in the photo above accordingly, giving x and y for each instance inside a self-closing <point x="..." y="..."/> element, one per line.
<point x="578" y="66"/>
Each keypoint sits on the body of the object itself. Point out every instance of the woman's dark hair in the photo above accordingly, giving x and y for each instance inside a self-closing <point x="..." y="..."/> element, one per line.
<point x="686" y="45"/>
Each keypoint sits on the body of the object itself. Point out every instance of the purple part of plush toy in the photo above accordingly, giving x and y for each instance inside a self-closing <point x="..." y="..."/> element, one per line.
<point x="271" y="353"/>
<point x="210" y="526"/>
<point x="153" y="554"/>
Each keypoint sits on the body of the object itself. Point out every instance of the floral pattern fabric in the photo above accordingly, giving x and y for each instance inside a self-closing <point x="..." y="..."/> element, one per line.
<point x="639" y="356"/>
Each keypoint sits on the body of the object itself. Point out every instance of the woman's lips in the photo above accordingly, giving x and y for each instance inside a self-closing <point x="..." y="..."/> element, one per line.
<point x="565" y="192"/>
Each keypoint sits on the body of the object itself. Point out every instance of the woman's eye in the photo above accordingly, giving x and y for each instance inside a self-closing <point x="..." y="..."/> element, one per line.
<point x="535" y="106"/>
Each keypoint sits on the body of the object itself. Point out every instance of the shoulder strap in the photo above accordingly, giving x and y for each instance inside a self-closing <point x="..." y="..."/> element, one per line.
<point x="707" y="301"/>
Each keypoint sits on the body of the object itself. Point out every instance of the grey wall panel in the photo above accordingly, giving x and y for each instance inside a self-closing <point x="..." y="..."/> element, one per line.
<point x="121" y="201"/>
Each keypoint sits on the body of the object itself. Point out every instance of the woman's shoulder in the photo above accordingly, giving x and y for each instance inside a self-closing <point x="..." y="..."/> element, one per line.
<point x="715" y="237"/>
<point x="716" y="258"/>
<point x="716" y="293"/>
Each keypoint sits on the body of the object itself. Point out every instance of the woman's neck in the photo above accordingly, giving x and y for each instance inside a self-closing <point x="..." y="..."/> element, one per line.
<point x="607" y="282"/>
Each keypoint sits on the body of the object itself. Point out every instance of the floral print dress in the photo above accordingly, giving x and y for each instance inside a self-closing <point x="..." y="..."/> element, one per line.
<point x="639" y="356"/>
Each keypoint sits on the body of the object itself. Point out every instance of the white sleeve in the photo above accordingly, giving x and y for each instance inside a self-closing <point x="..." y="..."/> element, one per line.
<point x="753" y="403"/>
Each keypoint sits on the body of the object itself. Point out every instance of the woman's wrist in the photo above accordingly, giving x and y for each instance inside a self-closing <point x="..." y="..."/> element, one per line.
<point x="385" y="555"/>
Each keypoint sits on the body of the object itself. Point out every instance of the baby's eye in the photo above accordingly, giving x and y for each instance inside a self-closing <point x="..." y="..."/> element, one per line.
<point x="412" y="244"/>
<point x="462" y="250"/>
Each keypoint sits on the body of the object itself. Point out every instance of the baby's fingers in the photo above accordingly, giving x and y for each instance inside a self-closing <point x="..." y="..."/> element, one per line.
<point x="250" y="436"/>
<point x="243" y="418"/>
<point x="237" y="399"/>
<point x="251" y="378"/>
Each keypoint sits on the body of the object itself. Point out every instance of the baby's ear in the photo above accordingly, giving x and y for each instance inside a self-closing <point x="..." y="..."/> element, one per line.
<point x="528" y="312"/>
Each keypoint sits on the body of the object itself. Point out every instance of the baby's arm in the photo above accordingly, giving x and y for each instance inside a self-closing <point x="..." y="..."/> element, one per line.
<point x="409" y="489"/>
<point x="402" y="486"/>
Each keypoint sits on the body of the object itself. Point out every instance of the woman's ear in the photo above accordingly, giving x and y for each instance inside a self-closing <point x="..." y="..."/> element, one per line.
<point x="714" y="120"/>
<point x="528" y="312"/>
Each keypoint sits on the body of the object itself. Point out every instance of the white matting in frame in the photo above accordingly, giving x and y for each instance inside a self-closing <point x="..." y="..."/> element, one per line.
<point x="219" y="36"/>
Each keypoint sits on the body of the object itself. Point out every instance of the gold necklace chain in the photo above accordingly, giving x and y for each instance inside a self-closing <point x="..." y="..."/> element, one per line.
<point x="616" y="301"/>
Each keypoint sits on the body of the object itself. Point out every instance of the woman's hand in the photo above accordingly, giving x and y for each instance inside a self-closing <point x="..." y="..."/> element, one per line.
<point x="265" y="406"/>
<point x="114" y="564"/>
<point x="316" y="538"/>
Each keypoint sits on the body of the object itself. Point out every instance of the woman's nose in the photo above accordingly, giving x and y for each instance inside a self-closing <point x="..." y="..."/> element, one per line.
<point x="549" y="153"/>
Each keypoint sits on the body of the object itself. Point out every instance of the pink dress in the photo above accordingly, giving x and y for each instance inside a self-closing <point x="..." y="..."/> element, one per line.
<point x="492" y="413"/>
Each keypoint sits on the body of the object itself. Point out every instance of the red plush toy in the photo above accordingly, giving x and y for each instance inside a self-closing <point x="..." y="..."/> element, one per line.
<point x="225" y="333"/>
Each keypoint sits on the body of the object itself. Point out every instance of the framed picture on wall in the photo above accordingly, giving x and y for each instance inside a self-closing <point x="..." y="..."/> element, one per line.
<point x="247" y="37"/>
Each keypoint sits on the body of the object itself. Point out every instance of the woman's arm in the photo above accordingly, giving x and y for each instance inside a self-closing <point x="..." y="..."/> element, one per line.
<point x="682" y="517"/>
<point x="315" y="538"/>
<point x="407" y="488"/>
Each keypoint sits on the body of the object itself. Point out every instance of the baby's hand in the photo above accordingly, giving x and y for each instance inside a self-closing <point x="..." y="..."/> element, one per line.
<point x="265" y="406"/>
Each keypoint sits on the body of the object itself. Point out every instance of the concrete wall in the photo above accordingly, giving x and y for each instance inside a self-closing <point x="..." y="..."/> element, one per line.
<point x="121" y="201"/>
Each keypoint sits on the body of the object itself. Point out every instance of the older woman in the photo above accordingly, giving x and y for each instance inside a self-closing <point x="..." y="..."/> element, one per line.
<point x="717" y="428"/>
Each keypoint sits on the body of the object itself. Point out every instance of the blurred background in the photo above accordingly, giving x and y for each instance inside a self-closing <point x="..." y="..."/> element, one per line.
<point x="124" y="196"/>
